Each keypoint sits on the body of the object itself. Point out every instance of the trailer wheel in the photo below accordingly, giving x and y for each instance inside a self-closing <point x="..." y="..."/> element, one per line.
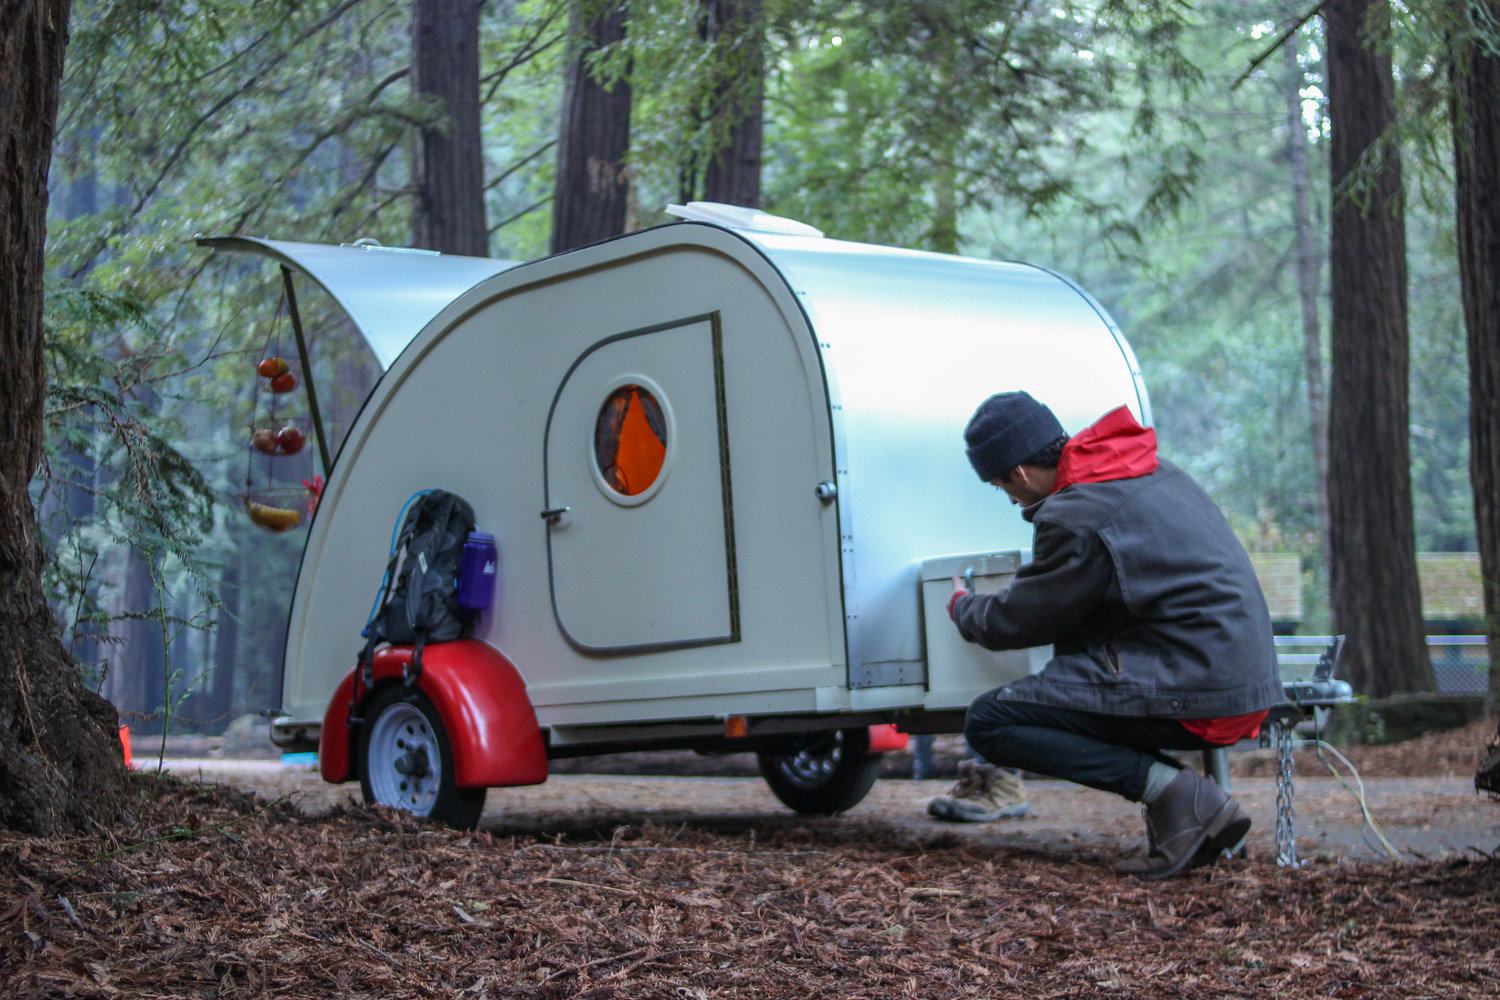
<point x="405" y="760"/>
<point x="827" y="773"/>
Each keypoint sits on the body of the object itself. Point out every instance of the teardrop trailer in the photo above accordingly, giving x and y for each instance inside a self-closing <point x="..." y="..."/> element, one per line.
<point x="721" y="461"/>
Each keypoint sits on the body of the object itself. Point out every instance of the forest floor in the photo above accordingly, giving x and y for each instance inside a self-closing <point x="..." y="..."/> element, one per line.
<point x="235" y="877"/>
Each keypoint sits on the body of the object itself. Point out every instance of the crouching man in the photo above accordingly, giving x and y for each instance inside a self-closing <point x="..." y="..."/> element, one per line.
<point x="1160" y="633"/>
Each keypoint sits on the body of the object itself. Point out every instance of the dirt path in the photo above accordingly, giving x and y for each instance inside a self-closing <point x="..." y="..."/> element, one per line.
<point x="1419" y="817"/>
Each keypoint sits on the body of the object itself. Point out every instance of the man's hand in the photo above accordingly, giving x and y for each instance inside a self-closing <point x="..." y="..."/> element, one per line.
<point x="959" y="590"/>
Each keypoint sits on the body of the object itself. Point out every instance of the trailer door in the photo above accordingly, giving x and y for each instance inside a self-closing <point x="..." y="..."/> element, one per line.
<point x="640" y="534"/>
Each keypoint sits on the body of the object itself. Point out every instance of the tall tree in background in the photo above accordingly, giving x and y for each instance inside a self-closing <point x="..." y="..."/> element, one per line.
<point x="735" y="30"/>
<point x="62" y="761"/>
<point x="1476" y="159"/>
<point x="298" y="122"/>
<point x="592" y="190"/>
<point x="895" y="119"/>
<point x="1309" y="263"/>
<point x="1373" y="574"/>
<point x="449" y="210"/>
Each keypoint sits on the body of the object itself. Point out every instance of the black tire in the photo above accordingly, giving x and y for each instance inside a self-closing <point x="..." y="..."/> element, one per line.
<point x="823" y="774"/>
<point x="406" y="761"/>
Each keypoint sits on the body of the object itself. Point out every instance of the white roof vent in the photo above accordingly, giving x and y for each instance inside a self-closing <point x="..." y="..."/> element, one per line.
<point x="740" y="217"/>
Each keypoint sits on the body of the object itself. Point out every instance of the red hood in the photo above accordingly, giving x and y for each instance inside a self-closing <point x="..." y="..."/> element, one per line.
<point x="1113" y="447"/>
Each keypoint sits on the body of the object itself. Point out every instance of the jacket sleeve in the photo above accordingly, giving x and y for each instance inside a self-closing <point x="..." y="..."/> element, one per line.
<point x="1065" y="581"/>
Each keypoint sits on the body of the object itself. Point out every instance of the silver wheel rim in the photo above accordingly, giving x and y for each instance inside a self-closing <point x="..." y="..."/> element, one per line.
<point x="405" y="765"/>
<point x="815" y="766"/>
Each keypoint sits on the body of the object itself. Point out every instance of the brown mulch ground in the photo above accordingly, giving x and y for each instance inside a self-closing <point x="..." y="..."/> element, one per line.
<point x="211" y="893"/>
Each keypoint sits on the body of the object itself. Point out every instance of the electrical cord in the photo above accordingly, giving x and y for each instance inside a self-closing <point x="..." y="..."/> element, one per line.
<point x="1370" y="826"/>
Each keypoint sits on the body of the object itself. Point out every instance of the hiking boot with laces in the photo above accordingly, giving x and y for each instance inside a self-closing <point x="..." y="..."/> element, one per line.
<point x="983" y="794"/>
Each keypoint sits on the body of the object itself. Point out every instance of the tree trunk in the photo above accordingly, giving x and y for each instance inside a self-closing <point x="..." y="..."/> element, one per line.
<point x="62" y="765"/>
<point x="449" y="214"/>
<point x="733" y="172"/>
<point x="219" y="701"/>
<point x="943" y="236"/>
<point x="1308" y="265"/>
<point x="133" y="670"/>
<point x="1476" y="160"/>
<point x="591" y="191"/>
<point x="1372" y="539"/>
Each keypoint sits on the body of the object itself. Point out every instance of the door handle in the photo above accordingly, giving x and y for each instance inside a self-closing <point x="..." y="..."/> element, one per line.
<point x="554" y="514"/>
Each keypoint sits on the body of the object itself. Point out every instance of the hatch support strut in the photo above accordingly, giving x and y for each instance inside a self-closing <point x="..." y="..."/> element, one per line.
<point x="307" y="379"/>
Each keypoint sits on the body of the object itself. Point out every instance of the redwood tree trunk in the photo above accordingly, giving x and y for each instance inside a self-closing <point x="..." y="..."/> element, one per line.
<point x="733" y="172"/>
<point x="1372" y="538"/>
<point x="60" y="759"/>
<point x="592" y="189"/>
<point x="1476" y="160"/>
<point x="449" y="214"/>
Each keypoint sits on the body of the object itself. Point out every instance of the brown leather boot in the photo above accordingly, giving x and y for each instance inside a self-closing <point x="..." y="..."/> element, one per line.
<point x="1190" y="824"/>
<point x="1236" y="827"/>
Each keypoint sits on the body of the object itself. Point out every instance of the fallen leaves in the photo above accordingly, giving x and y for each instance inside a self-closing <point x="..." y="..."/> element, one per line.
<point x="263" y="901"/>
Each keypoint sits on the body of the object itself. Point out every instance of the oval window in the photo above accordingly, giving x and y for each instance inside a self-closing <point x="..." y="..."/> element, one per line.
<point x="630" y="440"/>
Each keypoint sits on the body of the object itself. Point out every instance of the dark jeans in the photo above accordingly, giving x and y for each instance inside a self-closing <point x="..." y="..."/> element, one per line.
<point x="1108" y="752"/>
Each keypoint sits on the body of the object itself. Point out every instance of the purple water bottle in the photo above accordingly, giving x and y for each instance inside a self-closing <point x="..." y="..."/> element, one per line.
<point x="477" y="570"/>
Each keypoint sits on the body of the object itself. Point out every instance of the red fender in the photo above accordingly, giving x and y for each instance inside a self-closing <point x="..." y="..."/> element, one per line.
<point x="886" y="737"/>
<point x="483" y="704"/>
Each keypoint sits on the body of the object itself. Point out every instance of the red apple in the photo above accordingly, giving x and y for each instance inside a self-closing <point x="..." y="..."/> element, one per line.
<point x="285" y="382"/>
<point x="271" y="367"/>
<point x="290" y="440"/>
<point x="265" y="441"/>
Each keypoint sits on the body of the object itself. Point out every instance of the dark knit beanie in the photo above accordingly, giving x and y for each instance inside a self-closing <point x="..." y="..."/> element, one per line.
<point x="1007" y="429"/>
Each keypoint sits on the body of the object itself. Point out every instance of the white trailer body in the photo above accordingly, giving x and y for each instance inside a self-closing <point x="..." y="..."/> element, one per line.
<point x="813" y="394"/>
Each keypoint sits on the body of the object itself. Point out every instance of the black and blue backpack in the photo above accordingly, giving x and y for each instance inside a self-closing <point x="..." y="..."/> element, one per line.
<point x="418" y="599"/>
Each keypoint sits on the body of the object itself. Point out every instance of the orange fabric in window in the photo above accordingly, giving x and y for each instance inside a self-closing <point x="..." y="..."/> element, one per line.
<point x="639" y="457"/>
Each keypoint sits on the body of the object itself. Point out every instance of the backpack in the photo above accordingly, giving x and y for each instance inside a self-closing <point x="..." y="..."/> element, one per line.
<point x="418" y="602"/>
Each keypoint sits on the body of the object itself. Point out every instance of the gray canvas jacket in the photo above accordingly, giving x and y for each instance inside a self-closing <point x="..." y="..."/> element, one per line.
<point x="1148" y="599"/>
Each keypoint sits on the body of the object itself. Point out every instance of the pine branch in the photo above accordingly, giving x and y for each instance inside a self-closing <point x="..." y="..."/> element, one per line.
<point x="1276" y="45"/>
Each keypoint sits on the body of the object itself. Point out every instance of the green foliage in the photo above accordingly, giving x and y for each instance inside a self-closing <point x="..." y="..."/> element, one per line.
<point x="878" y="107"/>
<point x="111" y="473"/>
<point x="319" y="77"/>
<point x="1209" y="299"/>
<point x="1208" y="296"/>
<point x="1076" y="134"/>
<point x="294" y="118"/>
<point x="286" y="119"/>
<point x="686" y="91"/>
<point x="878" y="115"/>
<point x="521" y="48"/>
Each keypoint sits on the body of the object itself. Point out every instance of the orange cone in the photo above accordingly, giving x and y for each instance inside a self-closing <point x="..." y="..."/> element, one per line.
<point x="125" y="745"/>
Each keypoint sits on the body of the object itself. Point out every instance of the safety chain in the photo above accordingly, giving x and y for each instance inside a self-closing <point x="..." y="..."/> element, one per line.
<point x="1286" y="833"/>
